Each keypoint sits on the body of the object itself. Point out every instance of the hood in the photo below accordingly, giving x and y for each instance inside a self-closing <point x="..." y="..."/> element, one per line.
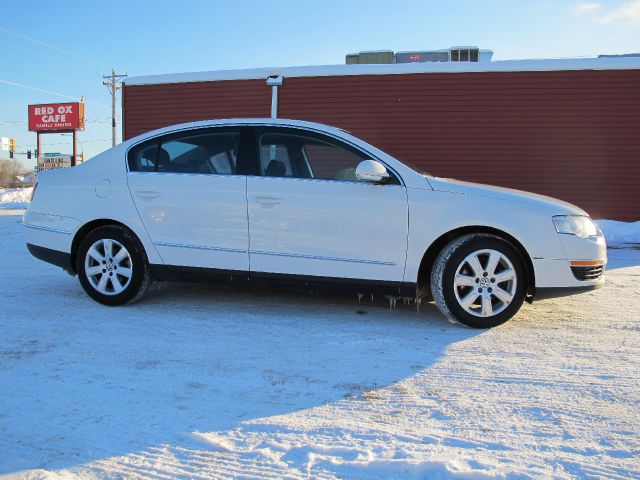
<point x="549" y="204"/>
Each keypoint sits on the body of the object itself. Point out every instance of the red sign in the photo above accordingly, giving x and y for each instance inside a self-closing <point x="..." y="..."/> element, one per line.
<point x="56" y="117"/>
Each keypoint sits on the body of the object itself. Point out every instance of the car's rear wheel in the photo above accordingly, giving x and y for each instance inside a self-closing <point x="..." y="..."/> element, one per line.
<point x="112" y="266"/>
<point x="479" y="280"/>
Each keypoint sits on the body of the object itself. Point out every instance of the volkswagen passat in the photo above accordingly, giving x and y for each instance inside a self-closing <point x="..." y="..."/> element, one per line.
<point x="270" y="199"/>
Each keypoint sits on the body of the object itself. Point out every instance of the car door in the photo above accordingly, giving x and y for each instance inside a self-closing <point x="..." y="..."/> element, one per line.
<point x="309" y="216"/>
<point x="191" y="198"/>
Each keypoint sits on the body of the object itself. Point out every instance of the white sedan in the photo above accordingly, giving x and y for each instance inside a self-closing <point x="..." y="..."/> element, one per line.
<point x="268" y="200"/>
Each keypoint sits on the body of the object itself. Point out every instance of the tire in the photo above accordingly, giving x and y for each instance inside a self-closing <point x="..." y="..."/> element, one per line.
<point x="116" y="279"/>
<point x="480" y="294"/>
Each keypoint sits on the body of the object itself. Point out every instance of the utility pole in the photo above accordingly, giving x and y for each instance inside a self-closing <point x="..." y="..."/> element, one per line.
<point x="114" y="85"/>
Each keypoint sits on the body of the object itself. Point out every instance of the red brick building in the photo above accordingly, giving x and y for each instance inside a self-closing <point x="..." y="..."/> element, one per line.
<point x="565" y="128"/>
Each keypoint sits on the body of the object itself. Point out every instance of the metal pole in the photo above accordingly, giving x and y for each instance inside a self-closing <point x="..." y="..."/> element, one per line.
<point x="274" y="101"/>
<point x="75" y="150"/>
<point x="113" y="105"/>
<point x="274" y="81"/>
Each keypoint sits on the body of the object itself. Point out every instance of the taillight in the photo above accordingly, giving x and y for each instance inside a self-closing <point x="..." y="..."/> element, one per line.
<point x="33" y="192"/>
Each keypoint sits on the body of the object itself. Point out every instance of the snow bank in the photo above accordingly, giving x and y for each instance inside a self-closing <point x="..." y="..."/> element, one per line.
<point x="15" y="197"/>
<point x="620" y="234"/>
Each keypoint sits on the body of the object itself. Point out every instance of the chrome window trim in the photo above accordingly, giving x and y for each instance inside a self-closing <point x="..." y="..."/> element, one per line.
<point x="354" y="182"/>
<point x="265" y="124"/>
<point x="154" y="137"/>
<point x="188" y="174"/>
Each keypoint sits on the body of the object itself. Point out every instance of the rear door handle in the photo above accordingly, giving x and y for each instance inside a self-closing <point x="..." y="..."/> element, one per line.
<point x="267" y="201"/>
<point x="147" y="194"/>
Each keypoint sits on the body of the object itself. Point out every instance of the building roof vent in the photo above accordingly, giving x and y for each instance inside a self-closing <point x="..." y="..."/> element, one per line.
<point x="453" y="54"/>
<point x="371" y="57"/>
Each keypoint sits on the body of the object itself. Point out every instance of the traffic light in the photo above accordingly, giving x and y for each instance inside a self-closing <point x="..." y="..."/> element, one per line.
<point x="11" y="154"/>
<point x="36" y="154"/>
<point x="28" y="154"/>
<point x="12" y="147"/>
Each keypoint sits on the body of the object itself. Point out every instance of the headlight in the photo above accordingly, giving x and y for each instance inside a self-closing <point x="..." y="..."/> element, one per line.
<point x="578" y="225"/>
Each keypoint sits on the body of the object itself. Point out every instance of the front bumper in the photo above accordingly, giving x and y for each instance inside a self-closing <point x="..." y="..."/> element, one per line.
<point x="582" y="269"/>
<point x="558" y="273"/>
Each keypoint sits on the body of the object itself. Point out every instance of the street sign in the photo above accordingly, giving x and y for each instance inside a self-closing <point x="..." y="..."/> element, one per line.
<point x="56" y="117"/>
<point x="52" y="163"/>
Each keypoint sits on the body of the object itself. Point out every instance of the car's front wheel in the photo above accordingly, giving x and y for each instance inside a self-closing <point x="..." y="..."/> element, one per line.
<point x="112" y="266"/>
<point x="479" y="280"/>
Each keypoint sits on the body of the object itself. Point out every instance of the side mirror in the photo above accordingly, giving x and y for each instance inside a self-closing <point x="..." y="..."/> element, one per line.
<point x="372" y="172"/>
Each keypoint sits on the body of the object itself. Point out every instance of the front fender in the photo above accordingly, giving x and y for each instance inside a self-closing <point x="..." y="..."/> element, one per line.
<point x="433" y="214"/>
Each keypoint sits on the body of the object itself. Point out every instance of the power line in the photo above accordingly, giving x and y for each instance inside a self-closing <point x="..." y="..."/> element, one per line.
<point x="53" y="47"/>
<point x="28" y="87"/>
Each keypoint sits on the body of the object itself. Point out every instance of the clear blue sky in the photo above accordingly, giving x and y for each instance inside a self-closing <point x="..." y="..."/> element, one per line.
<point x="144" y="37"/>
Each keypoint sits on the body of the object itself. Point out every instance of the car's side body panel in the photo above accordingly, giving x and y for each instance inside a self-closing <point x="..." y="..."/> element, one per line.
<point x="51" y="231"/>
<point x="439" y="213"/>
<point x="93" y="191"/>
<point x="327" y="228"/>
<point x="194" y="220"/>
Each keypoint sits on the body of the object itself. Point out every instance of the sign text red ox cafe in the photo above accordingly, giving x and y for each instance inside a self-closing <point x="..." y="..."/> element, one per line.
<point x="56" y="117"/>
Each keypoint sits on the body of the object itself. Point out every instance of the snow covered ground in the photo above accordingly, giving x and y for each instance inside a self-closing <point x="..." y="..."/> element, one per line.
<point x="15" y="197"/>
<point x="199" y="381"/>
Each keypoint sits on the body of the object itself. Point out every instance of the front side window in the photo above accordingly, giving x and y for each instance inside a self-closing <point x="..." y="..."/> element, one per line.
<point x="307" y="156"/>
<point x="209" y="152"/>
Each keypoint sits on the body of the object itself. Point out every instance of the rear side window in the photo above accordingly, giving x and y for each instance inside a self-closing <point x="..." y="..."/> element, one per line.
<point x="142" y="158"/>
<point x="199" y="152"/>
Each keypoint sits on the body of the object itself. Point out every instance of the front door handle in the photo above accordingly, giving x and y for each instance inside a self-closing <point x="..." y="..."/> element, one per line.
<point x="147" y="194"/>
<point x="267" y="201"/>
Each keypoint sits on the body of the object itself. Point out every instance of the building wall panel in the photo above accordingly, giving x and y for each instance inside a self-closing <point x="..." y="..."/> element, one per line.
<point x="147" y="107"/>
<point x="574" y="135"/>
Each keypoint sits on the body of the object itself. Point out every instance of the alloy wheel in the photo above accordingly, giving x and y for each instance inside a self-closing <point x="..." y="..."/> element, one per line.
<point x="485" y="283"/>
<point x="108" y="267"/>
